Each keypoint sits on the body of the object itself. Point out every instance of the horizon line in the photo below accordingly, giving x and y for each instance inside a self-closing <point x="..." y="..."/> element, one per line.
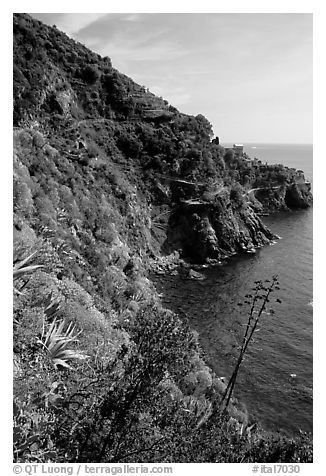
<point x="265" y="142"/>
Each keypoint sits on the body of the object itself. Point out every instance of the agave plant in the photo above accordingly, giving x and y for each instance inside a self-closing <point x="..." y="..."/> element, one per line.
<point x="23" y="267"/>
<point x="52" y="306"/>
<point x="57" y="340"/>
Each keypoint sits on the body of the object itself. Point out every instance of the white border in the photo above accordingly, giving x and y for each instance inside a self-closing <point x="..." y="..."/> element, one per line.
<point x="248" y="6"/>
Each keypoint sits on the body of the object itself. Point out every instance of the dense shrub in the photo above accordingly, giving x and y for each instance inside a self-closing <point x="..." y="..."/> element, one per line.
<point x="236" y="194"/>
<point x="89" y="74"/>
<point x="229" y="156"/>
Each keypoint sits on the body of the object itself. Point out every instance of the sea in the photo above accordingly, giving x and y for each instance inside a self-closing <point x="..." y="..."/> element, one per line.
<point x="275" y="381"/>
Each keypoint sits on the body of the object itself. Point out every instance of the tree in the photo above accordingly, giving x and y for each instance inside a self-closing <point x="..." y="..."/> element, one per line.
<point x="229" y="156"/>
<point x="89" y="74"/>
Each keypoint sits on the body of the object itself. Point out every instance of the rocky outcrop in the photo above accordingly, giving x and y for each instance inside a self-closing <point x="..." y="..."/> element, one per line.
<point x="187" y="196"/>
<point x="298" y="195"/>
<point x="212" y="231"/>
<point x="290" y="196"/>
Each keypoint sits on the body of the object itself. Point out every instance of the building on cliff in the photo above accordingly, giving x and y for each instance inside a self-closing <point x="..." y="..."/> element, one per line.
<point x="238" y="150"/>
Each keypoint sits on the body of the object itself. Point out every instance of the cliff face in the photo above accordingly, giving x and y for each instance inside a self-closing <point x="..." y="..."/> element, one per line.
<point x="214" y="220"/>
<point x="145" y="158"/>
<point x="271" y="188"/>
<point x="291" y="196"/>
<point x="207" y="231"/>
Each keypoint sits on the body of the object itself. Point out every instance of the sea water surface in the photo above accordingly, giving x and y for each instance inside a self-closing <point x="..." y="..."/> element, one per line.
<point x="275" y="380"/>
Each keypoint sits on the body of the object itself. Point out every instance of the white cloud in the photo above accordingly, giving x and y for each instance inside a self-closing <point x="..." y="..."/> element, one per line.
<point x="132" y="17"/>
<point x="136" y="45"/>
<point x="174" y="94"/>
<point x="72" y="23"/>
<point x="158" y="52"/>
<point x="178" y="99"/>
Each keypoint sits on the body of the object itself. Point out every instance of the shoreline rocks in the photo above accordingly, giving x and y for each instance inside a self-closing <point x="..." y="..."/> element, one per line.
<point x="216" y="232"/>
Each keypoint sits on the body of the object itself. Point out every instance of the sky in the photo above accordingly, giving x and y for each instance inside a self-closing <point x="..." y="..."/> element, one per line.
<point x="250" y="74"/>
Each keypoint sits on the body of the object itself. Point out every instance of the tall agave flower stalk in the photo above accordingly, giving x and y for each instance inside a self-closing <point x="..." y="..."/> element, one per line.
<point x="258" y="305"/>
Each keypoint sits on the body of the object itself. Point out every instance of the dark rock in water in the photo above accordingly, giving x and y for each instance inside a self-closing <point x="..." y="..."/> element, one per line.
<point x="251" y="251"/>
<point x="198" y="267"/>
<point x="195" y="275"/>
<point x="213" y="262"/>
<point x="160" y="271"/>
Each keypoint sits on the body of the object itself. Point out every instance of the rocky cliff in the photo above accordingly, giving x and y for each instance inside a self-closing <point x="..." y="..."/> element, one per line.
<point x="99" y="120"/>
<point x="208" y="231"/>
<point x="294" y="195"/>
<point x="272" y="188"/>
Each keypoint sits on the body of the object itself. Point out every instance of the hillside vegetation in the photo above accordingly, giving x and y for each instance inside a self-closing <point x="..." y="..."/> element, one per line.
<point x="108" y="178"/>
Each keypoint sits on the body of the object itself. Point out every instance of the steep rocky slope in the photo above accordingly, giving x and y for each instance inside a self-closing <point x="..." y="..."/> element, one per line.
<point x="107" y="178"/>
<point x="98" y="119"/>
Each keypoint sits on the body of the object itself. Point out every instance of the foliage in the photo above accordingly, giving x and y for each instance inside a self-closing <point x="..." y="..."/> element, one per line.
<point x="229" y="156"/>
<point x="23" y="267"/>
<point x="56" y="341"/>
<point x="89" y="74"/>
<point x="236" y="194"/>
